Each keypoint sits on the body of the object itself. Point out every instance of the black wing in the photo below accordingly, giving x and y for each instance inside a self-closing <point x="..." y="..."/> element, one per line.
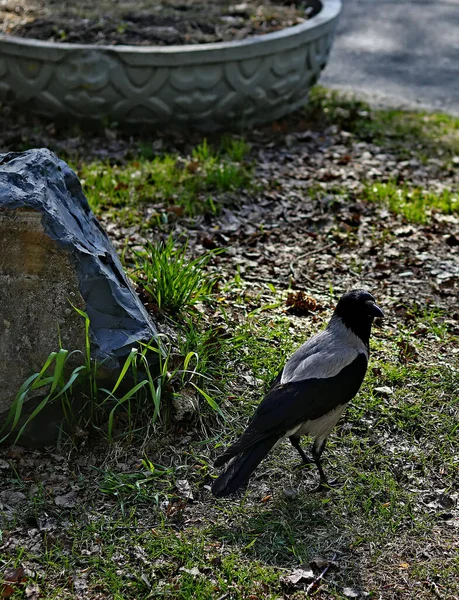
<point x="287" y="405"/>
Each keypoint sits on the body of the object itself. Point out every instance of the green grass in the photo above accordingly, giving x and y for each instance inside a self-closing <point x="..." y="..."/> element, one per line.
<point x="134" y="400"/>
<point x="267" y="343"/>
<point x="134" y="536"/>
<point x="404" y="132"/>
<point x="177" y="185"/>
<point x="161" y="562"/>
<point x="390" y="453"/>
<point x="414" y="203"/>
<point x="149" y="484"/>
<point x="173" y="282"/>
<point x="404" y="135"/>
<point x="208" y="343"/>
<point x="82" y="395"/>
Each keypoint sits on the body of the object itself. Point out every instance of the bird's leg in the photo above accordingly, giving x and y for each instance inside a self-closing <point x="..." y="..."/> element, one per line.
<point x="317" y="449"/>
<point x="295" y="441"/>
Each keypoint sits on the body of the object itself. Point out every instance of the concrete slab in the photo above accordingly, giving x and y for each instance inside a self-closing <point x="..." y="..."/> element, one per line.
<point x="398" y="53"/>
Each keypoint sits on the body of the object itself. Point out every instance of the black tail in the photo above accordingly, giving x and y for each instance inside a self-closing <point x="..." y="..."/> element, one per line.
<point x="241" y="468"/>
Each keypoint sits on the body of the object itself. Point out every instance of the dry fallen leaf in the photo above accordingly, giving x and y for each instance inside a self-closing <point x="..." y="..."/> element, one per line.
<point x="67" y="500"/>
<point x="383" y="391"/>
<point x="32" y="591"/>
<point x="299" y="575"/>
<point x="7" y="591"/>
<point x="407" y="351"/>
<point x="321" y="563"/>
<point x="11" y="498"/>
<point x="12" y="578"/>
<point x="290" y="492"/>
<point x="351" y="592"/>
<point x="300" y="304"/>
<point x="184" y="488"/>
<point x="14" y="575"/>
<point x="194" y="571"/>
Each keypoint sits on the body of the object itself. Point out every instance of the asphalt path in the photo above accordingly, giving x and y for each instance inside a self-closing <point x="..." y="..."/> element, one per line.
<point x="398" y="53"/>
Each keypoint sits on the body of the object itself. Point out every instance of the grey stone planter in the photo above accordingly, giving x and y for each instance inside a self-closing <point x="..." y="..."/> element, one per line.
<point x="207" y="86"/>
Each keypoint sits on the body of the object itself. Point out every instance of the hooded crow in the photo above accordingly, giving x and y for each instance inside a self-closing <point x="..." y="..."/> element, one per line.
<point x="309" y="394"/>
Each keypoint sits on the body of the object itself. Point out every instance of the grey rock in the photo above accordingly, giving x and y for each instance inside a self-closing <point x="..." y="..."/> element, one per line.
<point x="54" y="253"/>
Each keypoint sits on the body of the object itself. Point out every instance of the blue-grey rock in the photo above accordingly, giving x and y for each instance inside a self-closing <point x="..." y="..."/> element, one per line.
<point x="54" y="253"/>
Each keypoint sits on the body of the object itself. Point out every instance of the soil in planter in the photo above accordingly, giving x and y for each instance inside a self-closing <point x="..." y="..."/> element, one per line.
<point x="145" y="22"/>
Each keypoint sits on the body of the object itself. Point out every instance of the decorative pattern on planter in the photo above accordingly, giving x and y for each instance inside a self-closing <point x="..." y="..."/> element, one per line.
<point x="247" y="82"/>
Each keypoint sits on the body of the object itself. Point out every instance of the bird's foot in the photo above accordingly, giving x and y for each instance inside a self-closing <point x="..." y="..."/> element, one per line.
<point x="325" y="486"/>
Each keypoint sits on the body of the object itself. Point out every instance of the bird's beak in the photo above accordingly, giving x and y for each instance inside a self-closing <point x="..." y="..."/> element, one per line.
<point x="373" y="309"/>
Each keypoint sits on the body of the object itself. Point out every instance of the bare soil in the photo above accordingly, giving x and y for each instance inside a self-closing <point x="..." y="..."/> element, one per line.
<point x="167" y="22"/>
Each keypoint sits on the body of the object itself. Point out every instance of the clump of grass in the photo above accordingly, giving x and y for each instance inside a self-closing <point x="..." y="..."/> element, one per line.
<point x="226" y="176"/>
<point x="144" y="486"/>
<point x="237" y="149"/>
<point x="332" y="107"/>
<point x="397" y="129"/>
<point x="52" y="379"/>
<point x="265" y="344"/>
<point x="208" y="344"/>
<point x="139" y="398"/>
<point x="173" y="180"/>
<point x="222" y="167"/>
<point x="146" y="379"/>
<point x="172" y="281"/>
<point x="415" y="204"/>
<point x="138" y="385"/>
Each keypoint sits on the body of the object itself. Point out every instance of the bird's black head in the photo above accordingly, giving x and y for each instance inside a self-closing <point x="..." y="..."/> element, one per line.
<point x="357" y="309"/>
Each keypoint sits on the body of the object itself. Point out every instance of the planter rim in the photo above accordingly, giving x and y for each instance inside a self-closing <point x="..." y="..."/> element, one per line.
<point x="330" y="10"/>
